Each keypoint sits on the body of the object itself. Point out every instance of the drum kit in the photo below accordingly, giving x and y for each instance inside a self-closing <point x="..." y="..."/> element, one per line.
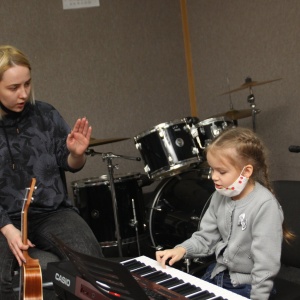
<point x="173" y="154"/>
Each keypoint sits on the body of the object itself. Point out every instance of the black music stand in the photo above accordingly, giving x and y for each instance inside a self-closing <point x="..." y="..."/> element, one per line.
<point x="110" y="278"/>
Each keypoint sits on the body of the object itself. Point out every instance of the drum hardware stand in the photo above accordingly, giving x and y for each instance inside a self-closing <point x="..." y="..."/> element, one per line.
<point x="187" y="263"/>
<point x="108" y="157"/>
<point x="231" y="108"/>
<point x="255" y="111"/>
<point x="134" y="223"/>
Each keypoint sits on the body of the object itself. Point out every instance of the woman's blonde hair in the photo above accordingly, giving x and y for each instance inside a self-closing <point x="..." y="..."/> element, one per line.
<point x="11" y="56"/>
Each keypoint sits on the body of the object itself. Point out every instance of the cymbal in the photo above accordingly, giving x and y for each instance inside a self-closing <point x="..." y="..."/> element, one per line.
<point x="249" y="83"/>
<point x="236" y="114"/>
<point x="96" y="142"/>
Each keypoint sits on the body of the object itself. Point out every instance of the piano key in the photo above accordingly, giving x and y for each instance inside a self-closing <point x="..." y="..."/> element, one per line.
<point x="203" y="296"/>
<point x="132" y="262"/>
<point x="192" y="290"/>
<point x="210" y="291"/>
<point x="161" y="277"/>
<point x="152" y="275"/>
<point x="143" y="270"/>
<point x="182" y="289"/>
<point x="135" y="266"/>
<point x="172" y="283"/>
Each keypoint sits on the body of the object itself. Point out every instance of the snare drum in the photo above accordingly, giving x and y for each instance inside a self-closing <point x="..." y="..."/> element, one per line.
<point x="168" y="148"/>
<point x="92" y="196"/>
<point x="209" y="129"/>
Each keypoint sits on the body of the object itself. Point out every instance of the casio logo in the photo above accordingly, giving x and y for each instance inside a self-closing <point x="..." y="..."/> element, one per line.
<point x="62" y="279"/>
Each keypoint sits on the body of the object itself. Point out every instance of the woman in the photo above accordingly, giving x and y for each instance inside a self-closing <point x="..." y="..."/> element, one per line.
<point x="35" y="141"/>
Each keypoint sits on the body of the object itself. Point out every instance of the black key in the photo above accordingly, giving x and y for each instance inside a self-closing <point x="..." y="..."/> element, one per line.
<point x="132" y="262"/>
<point x="125" y="263"/>
<point x="143" y="270"/>
<point x="193" y="289"/>
<point x="182" y="288"/>
<point x="162" y="277"/>
<point x="152" y="275"/>
<point x="172" y="282"/>
<point x="205" y="295"/>
<point x="135" y="266"/>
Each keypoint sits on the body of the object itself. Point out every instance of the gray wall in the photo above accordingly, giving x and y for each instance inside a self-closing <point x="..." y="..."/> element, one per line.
<point x="260" y="39"/>
<point x="123" y="66"/>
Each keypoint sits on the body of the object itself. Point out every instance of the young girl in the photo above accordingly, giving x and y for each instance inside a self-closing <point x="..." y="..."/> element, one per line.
<point x="243" y="223"/>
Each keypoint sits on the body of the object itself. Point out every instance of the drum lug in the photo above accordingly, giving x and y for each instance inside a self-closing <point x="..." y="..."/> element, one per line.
<point x="147" y="169"/>
<point x="215" y="130"/>
<point x="194" y="132"/>
<point x="138" y="146"/>
<point x="195" y="150"/>
<point x="224" y="125"/>
<point x="187" y="128"/>
<point x="170" y="159"/>
<point x="161" y="134"/>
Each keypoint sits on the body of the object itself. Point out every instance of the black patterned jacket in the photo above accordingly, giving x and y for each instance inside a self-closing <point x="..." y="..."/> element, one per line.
<point x="33" y="144"/>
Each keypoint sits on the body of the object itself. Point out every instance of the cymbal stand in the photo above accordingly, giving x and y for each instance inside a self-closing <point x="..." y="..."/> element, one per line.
<point x="108" y="157"/>
<point x="235" y="122"/>
<point x="255" y="111"/>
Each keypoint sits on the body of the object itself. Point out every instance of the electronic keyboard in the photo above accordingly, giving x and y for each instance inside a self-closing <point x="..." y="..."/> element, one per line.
<point x="151" y="281"/>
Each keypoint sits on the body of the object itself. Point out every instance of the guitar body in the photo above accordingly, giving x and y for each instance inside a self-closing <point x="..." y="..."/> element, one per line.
<point x="31" y="282"/>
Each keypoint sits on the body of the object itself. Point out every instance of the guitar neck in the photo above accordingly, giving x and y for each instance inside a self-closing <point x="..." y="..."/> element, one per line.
<point x="24" y="228"/>
<point x="24" y="219"/>
<point x="31" y="283"/>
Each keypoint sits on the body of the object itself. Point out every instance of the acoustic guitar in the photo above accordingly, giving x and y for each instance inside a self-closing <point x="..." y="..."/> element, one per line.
<point x="31" y="283"/>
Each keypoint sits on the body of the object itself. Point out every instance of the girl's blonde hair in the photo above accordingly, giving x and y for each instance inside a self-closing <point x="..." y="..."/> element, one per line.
<point x="250" y="150"/>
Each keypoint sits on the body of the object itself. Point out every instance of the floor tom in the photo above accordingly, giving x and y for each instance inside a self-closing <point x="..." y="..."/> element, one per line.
<point x="92" y="196"/>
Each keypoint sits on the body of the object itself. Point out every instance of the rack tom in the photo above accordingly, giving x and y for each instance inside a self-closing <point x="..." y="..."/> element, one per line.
<point x="168" y="148"/>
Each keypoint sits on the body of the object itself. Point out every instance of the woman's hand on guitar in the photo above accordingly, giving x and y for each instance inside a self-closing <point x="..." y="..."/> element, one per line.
<point x="14" y="240"/>
<point x="173" y="254"/>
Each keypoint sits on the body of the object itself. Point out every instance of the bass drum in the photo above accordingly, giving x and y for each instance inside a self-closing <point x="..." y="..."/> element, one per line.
<point x="177" y="207"/>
